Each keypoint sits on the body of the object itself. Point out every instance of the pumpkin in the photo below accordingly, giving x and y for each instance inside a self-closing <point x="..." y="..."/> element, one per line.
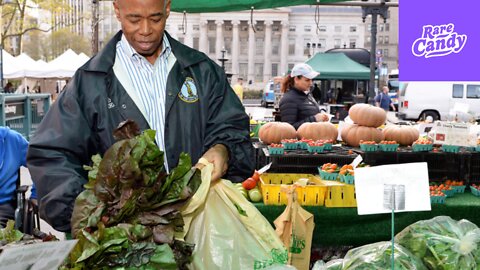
<point x="404" y="135"/>
<point x="353" y="134"/>
<point x="367" y="115"/>
<point x="275" y="132"/>
<point x="317" y="131"/>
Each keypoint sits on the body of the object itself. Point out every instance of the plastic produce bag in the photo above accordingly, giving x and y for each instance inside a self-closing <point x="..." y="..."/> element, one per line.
<point x="227" y="230"/>
<point x="443" y="243"/>
<point x="331" y="265"/>
<point x="378" y="256"/>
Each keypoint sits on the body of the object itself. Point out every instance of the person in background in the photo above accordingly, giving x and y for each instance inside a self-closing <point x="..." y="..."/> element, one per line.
<point x="8" y="88"/>
<point x="383" y="100"/>
<point x="297" y="105"/>
<point x="13" y="152"/>
<point x="316" y="93"/>
<point x="145" y="75"/>
<point x="238" y="88"/>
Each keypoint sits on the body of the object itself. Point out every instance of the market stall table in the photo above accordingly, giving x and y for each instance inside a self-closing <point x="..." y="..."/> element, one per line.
<point x="343" y="227"/>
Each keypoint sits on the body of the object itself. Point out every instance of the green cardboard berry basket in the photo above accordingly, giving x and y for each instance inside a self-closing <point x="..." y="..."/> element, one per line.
<point x="422" y="147"/>
<point x="315" y="149"/>
<point x="276" y="150"/>
<point x="388" y="147"/>
<point x="369" y="147"/>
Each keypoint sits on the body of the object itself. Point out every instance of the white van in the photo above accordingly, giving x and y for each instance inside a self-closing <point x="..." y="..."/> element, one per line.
<point x="418" y="100"/>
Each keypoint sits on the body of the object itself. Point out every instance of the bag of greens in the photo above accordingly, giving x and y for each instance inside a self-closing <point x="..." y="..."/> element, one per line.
<point x="443" y="243"/>
<point x="378" y="256"/>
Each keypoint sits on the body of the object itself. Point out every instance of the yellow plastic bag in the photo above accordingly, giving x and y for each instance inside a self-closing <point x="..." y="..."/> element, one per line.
<point x="227" y="230"/>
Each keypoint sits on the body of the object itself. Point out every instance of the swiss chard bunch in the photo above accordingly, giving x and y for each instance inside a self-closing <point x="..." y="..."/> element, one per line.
<point x="129" y="211"/>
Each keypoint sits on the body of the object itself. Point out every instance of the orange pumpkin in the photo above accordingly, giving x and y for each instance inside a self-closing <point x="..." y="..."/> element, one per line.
<point x="367" y="115"/>
<point x="353" y="134"/>
<point x="275" y="132"/>
<point x="317" y="131"/>
<point x="404" y="135"/>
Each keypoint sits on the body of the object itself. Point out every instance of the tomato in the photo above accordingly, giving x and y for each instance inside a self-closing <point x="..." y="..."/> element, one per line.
<point x="256" y="176"/>
<point x="249" y="184"/>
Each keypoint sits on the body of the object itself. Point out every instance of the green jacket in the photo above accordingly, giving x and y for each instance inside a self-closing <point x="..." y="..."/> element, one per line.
<point x="80" y="124"/>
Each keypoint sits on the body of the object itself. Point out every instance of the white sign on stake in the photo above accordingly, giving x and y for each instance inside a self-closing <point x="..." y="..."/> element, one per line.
<point x="40" y="256"/>
<point x="409" y="181"/>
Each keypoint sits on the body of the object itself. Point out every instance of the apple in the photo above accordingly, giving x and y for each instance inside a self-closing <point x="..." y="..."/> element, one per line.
<point x="255" y="195"/>
<point x="243" y="191"/>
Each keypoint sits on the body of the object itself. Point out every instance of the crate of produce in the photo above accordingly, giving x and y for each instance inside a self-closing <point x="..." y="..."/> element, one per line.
<point x="276" y="149"/>
<point x="422" y="145"/>
<point x="329" y="171"/>
<point x="368" y="147"/>
<point x="290" y="144"/>
<point x="347" y="179"/>
<point x="303" y="144"/>
<point x="388" y="146"/>
<point x="311" y="194"/>
<point x="437" y="199"/>
<point x="340" y="194"/>
<point x="475" y="189"/>
<point x="457" y="186"/>
<point x="450" y="148"/>
<point x="315" y="147"/>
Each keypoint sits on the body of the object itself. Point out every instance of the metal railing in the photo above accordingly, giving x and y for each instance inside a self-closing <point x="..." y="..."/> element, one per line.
<point x="23" y="113"/>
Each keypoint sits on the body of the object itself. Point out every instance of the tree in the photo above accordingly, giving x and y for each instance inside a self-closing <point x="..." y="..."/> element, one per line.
<point x="17" y="21"/>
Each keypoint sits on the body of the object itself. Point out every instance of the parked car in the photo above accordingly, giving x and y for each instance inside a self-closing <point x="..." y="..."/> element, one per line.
<point x="419" y="100"/>
<point x="271" y="93"/>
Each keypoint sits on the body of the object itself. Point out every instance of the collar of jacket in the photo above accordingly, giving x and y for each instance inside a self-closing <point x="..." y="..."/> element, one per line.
<point x="300" y="92"/>
<point x="103" y="61"/>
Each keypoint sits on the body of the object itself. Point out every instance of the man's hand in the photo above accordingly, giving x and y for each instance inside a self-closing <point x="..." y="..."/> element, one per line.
<point x="218" y="155"/>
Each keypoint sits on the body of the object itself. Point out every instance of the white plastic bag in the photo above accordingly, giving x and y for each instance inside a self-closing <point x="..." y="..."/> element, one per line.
<point x="227" y="230"/>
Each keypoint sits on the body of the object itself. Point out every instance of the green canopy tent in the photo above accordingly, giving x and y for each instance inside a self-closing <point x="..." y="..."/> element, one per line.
<point x="338" y="66"/>
<point x="198" y="6"/>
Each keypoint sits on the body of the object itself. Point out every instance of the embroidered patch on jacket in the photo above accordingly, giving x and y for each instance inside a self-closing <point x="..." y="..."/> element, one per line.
<point x="189" y="92"/>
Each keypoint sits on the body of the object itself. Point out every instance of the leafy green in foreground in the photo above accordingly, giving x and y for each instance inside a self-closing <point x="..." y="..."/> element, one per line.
<point x="129" y="211"/>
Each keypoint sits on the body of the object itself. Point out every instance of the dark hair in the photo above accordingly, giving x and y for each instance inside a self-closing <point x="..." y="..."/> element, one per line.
<point x="287" y="83"/>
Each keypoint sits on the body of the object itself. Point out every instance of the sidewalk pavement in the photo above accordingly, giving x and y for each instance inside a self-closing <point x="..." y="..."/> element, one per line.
<point x="26" y="179"/>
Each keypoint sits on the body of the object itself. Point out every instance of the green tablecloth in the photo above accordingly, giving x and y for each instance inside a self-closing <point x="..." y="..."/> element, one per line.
<point x="344" y="227"/>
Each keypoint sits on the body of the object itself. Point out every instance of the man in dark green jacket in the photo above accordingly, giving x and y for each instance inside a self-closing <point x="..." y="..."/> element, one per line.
<point x="202" y="114"/>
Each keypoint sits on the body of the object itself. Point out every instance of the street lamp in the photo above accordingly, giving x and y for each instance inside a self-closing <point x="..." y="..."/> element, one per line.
<point x="223" y="59"/>
<point x="381" y="10"/>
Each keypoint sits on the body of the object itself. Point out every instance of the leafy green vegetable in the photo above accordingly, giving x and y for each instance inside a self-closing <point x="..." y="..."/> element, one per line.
<point x="9" y="234"/>
<point x="443" y="243"/>
<point x="129" y="211"/>
<point x="378" y="256"/>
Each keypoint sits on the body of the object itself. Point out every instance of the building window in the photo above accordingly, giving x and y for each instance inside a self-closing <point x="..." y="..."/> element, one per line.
<point x="259" y="46"/>
<point x="258" y="72"/>
<point x="352" y="43"/>
<point x="322" y="44"/>
<point x="181" y="28"/>
<point x="306" y="46"/>
<point x="276" y="46"/>
<point x="291" y="46"/>
<point x="387" y="39"/>
<point x="338" y="28"/>
<point x="353" y="29"/>
<point x="196" y="27"/>
<point x="276" y="27"/>
<point x="307" y="28"/>
<point x="228" y="27"/>
<point x="211" y="44"/>
<point x="243" y="45"/>
<point x="369" y="39"/>
<point x="243" y="70"/>
<point x="380" y="40"/>
<point x="369" y="28"/>
<point x="387" y="27"/>
<point x="228" y="44"/>
<point x="381" y="27"/>
<point x="337" y="43"/>
<point x="274" y="69"/>
<point x="196" y="43"/>
<point x="259" y="27"/>
<point x="473" y="91"/>
<point x="244" y="27"/>
<point x="385" y="52"/>
<point x="292" y="28"/>
<point x="323" y="28"/>
<point x="457" y="91"/>
<point x="212" y="27"/>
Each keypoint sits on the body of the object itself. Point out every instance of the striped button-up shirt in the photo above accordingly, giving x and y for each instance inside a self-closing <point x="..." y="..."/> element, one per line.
<point x="149" y="83"/>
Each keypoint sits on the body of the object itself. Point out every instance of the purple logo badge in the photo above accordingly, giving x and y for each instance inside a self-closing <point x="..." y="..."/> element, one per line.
<point x="438" y="40"/>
